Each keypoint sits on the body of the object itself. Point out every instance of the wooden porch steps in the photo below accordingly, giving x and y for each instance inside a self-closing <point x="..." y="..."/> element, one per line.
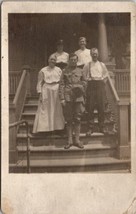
<point x="60" y="141"/>
<point x="47" y="153"/>
<point x="57" y="151"/>
<point x="105" y="164"/>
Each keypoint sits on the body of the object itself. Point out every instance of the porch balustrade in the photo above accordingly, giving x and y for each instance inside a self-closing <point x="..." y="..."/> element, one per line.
<point x="14" y="78"/>
<point x="122" y="81"/>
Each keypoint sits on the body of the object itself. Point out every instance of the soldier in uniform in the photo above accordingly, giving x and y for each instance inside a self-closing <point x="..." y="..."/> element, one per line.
<point x="61" y="56"/>
<point x="72" y="90"/>
<point x="83" y="53"/>
<point x="95" y="73"/>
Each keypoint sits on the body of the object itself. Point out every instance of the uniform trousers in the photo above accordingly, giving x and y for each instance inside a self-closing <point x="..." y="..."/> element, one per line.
<point x="73" y="111"/>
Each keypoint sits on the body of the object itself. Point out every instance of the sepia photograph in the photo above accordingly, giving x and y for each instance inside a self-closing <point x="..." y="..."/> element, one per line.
<point x="68" y="107"/>
<point x="69" y="92"/>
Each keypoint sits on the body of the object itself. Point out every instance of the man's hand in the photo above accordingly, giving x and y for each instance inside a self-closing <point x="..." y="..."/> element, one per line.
<point x="63" y="102"/>
<point x="40" y="97"/>
<point x="77" y="85"/>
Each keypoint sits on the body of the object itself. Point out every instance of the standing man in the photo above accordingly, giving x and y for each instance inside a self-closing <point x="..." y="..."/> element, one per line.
<point x="95" y="73"/>
<point x="61" y="56"/>
<point x="83" y="53"/>
<point x="72" y="90"/>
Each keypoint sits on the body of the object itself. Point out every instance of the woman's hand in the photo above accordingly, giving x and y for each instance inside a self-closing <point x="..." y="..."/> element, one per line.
<point x="105" y="80"/>
<point x="63" y="102"/>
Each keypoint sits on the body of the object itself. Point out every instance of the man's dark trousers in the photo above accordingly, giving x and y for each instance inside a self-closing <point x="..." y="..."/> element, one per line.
<point x="95" y="98"/>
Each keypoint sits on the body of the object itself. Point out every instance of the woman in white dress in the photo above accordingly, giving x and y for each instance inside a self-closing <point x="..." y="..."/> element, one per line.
<point x="49" y="116"/>
<point x="61" y="55"/>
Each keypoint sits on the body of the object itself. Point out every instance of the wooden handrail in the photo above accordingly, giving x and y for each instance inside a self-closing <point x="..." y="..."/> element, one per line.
<point x="114" y="92"/>
<point x="12" y="125"/>
<point x="19" y="87"/>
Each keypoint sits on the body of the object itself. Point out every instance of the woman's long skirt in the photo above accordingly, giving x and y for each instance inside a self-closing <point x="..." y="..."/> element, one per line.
<point x="49" y="116"/>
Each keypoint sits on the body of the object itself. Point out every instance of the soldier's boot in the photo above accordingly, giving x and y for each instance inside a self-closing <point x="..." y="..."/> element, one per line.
<point x="78" y="143"/>
<point x="70" y="136"/>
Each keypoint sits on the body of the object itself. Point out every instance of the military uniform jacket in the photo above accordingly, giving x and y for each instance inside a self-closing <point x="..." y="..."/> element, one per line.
<point x="70" y="79"/>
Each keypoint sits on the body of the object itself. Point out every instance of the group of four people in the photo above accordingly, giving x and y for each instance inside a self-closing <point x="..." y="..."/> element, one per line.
<point x="68" y="86"/>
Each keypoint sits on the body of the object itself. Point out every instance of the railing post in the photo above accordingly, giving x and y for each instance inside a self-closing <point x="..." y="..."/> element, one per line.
<point x="13" y="154"/>
<point x="13" y="126"/>
<point x="28" y="70"/>
<point x="124" y="144"/>
<point x="28" y="148"/>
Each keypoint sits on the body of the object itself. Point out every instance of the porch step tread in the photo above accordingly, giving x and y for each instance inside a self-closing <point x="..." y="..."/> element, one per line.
<point x="115" y="171"/>
<point x="74" y="162"/>
<point x="32" y="114"/>
<point x="42" y="135"/>
<point x="31" y="122"/>
<point x="53" y="148"/>
<point x="111" y="171"/>
<point x="32" y="97"/>
<point x="31" y="104"/>
<point x="34" y="111"/>
<point x="36" y="105"/>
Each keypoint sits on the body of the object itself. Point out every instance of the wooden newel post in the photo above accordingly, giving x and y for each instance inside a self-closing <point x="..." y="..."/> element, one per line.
<point x="28" y="69"/>
<point x="124" y="144"/>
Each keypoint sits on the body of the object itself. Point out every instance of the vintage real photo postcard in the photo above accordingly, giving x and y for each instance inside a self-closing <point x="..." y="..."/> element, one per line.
<point x="68" y="107"/>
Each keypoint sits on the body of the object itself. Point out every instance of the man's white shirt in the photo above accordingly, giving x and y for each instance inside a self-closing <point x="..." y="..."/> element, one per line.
<point x="83" y="56"/>
<point x="95" y="71"/>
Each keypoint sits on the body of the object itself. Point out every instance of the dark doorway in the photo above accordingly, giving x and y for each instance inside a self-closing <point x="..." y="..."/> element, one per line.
<point x="33" y="37"/>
